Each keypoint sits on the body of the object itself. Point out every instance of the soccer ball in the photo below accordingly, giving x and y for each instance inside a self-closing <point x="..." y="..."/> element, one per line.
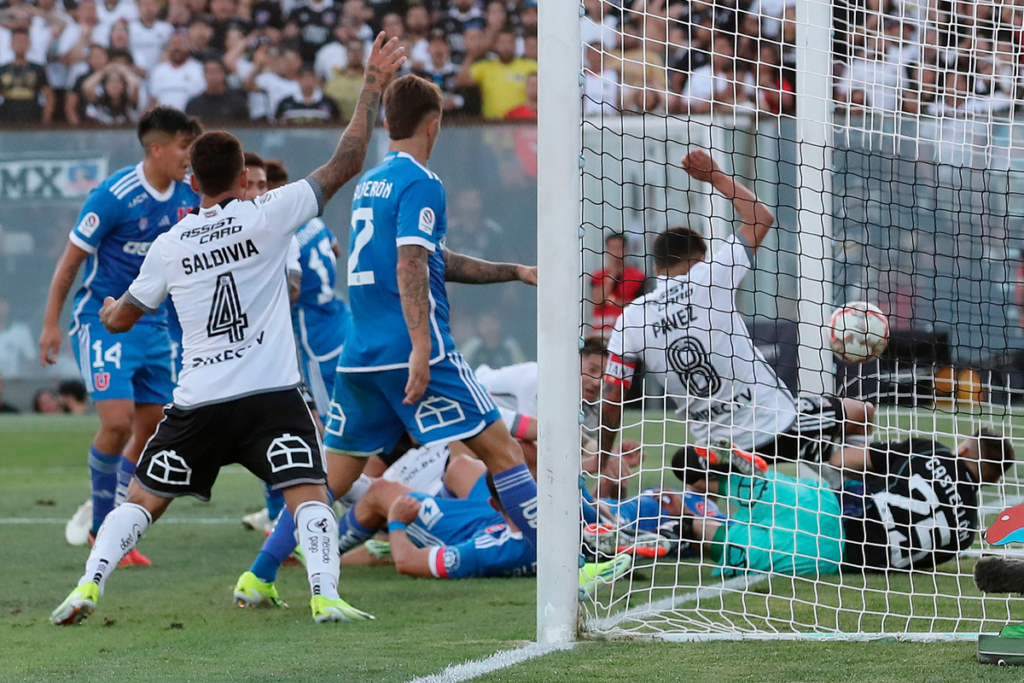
<point x="858" y="332"/>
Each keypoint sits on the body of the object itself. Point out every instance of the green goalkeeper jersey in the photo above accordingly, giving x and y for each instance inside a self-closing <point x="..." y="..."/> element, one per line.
<point x="780" y="524"/>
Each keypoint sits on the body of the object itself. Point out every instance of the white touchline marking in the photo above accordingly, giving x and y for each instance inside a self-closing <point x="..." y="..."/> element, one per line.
<point x="162" y="520"/>
<point x="499" y="660"/>
<point x="737" y="582"/>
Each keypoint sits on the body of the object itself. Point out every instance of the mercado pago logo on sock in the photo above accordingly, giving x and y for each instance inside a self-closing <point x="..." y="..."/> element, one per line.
<point x="131" y="539"/>
<point x="317" y="525"/>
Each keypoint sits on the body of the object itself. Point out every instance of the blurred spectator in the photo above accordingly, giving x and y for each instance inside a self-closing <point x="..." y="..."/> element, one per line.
<point x="775" y="94"/>
<point x="74" y="100"/>
<point x="73" y="47"/>
<point x="46" y="31"/>
<point x="764" y="18"/>
<point x="600" y="84"/>
<point x="344" y="87"/>
<point x="356" y="9"/>
<point x="614" y="286"/>
<point x="16" y="343"/>
<point x="174" y="82"/>
<point x="417" y="27"/>
<point x="118" y="38"/>
<point x="332" y="58"/>
<point x="491" y="347"/>
<point x="718" y="82"/>
<point x="470" y="232"/>
<point x="275" y="74"/>
<point x="5" y="407"/>
<point x="311" y="24"/>
<point x="45" y="401"/>
<point x="179" y="15"/>
<point x="224" y="17"/>
<point x="393" y="26"/>
<point x="683" y="61"/>
<point x="530" y="44"/>
<point x="641" y="71"/>
<point x="312" y="106"/>
<point x="27" y="96"/>
<point x="73" y="397"/>
<point x="463" y="14"/>
<point x="112" y="11"/>
<point x="528" y="109"/>
<point x="502" y="81"/>
<point x="266" y="14"/>
<point x="439" y="69"/>
<point x="112" y="95"/>
<point x="871" y="84"/>
<point x="218" y="102"/>
<point x="599" y="26"/>
<point x="200" y="37"/>
<point x="148" y="36"/>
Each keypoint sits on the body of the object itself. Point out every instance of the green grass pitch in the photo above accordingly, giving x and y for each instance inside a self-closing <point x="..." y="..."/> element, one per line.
<point x="175" y="621"/>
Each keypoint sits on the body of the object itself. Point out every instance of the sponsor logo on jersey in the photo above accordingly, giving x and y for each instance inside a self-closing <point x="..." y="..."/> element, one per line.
<point x="218" y="257"/>
<point x="373" y="188"/>
<point x="90" y="222"/>
<point x="427" y="220"/>
<point x="429" y="513"/>
<point x="209" y="227"/>
<point x="226" y="354"/>
<point x="137" y="248"/>
<point x="136" y="200"/>
<point x="101" y="380"/>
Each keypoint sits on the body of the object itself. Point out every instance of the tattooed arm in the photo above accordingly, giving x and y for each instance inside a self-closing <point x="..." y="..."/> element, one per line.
<point x="384" y="61"/>
<point x="414" y="290"/>
<point x="63" y="278"/>
<point x="474" y="271"/>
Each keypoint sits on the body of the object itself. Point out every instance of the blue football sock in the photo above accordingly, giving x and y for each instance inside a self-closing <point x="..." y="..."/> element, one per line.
<point x="274" y="500"/>
<point x="276" y="549"/>
<point x="518" y="493"/>
<point x="103" y="472"/>
<point x="125" y="472"/>
<point x="351" y="533"/>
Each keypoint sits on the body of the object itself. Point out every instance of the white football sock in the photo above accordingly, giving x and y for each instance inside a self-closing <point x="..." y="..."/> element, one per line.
<point x="317" y="529"/>
<point x="856" y="440"/>
<point x="120" y="531"/>
<point x="356" y="492"/>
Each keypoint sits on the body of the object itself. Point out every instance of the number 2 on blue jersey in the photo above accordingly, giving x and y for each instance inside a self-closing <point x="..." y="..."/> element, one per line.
<point x="364" y="277"/>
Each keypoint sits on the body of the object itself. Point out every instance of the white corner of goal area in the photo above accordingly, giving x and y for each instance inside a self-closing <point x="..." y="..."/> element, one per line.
<point x="558" y="318"/>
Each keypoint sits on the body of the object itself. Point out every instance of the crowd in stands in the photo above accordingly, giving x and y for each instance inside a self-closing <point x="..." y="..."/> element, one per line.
<point x="103" y="62"/>
<point x="691" y="57"/>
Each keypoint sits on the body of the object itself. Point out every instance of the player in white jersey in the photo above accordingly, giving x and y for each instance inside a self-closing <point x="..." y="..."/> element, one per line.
<point x="237" y="398"/>
<point x="690" y="336"/>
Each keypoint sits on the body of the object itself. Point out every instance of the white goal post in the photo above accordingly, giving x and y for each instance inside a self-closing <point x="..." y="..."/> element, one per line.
<point x="866" y="202"/>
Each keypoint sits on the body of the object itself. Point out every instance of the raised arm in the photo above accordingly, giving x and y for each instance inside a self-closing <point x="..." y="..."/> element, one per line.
<point x="757" y="218"/>
<point x="474" y="271"/>
<point x="414" y="291"/>
<point x="385" y="59"/>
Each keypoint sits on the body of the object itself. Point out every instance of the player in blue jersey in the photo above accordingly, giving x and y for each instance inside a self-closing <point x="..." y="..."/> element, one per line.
<point x="399" y="369"/>
<point x="128" y="376"/>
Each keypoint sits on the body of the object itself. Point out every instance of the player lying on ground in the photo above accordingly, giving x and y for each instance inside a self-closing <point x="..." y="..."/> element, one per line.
<point x="237" y="399"/>
<point x="690" y="336"/>
<point x="130" y="376"/>
<point x="916" y="508"/>
<point x="399" y="370"/>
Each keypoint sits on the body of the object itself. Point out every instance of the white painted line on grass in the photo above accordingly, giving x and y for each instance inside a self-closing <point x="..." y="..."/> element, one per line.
<point x="162" y="520"/>
<point x="736" y="583"/>
<point x="499" y="660"/>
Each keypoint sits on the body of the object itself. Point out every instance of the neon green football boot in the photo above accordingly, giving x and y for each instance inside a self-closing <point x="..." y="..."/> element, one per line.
<point x="593" y="575"/>
<point x="335" y="609"/>
<point x="77" y="606"/>
<point x="250" y="591"/>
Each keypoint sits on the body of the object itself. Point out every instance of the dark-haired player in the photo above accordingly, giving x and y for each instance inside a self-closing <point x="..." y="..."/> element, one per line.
<point x="130" y="376"/>
<point x="913" y="505"/>
<point x="399" y="369"/>
<point x="237" y="398"/>
<point x="690" y="336"/>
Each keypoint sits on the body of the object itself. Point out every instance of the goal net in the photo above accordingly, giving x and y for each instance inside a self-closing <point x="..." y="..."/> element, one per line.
<point x="882" y="137"/>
